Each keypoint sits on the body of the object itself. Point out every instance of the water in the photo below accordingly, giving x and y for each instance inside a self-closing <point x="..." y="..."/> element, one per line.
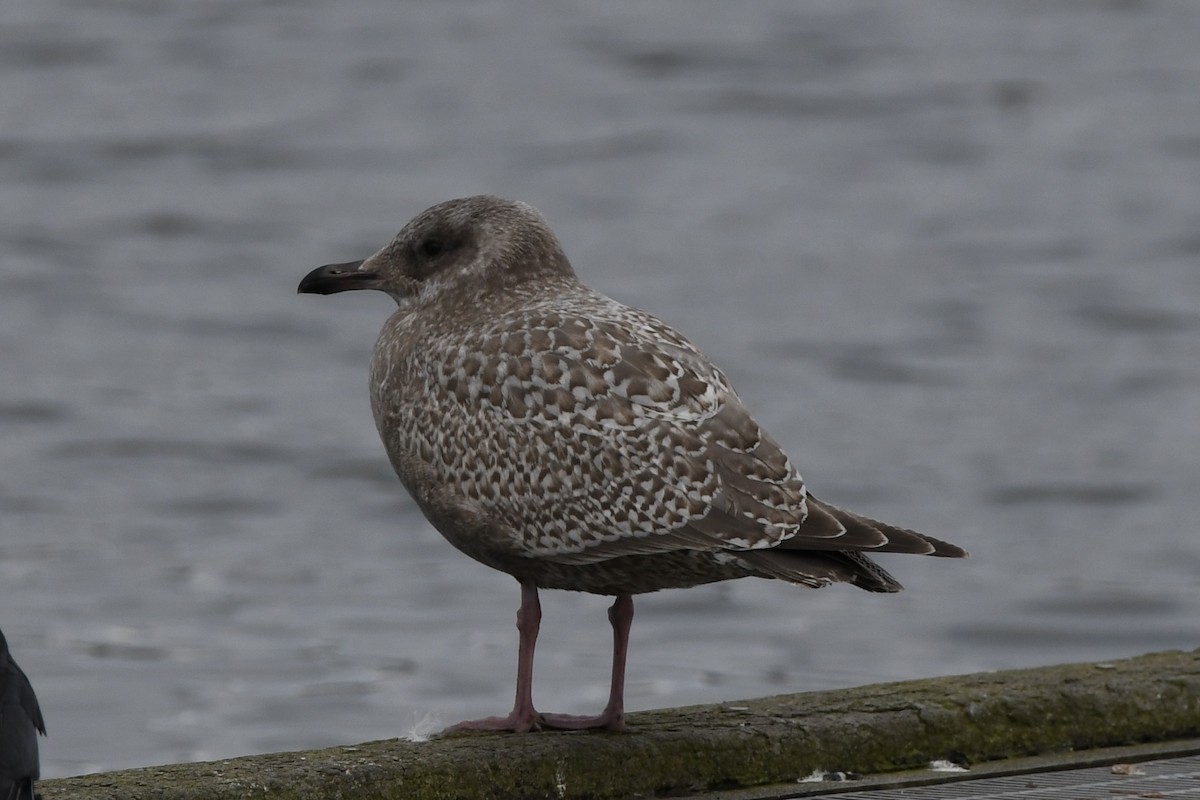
<point x="947" y="252"/>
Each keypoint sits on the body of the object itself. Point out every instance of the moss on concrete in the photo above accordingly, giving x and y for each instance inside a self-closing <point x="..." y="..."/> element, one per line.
<point x="678" y="751"/>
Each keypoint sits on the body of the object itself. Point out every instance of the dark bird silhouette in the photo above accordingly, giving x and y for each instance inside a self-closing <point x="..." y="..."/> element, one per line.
<point x="577" y="443"/>
<point x="20" y="723"/>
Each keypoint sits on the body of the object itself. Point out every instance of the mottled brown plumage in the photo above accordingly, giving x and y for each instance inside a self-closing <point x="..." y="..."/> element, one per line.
<point x="576" y="443"/>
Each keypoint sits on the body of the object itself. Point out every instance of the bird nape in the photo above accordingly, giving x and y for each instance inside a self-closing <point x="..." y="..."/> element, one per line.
<point x="577" y="443"/>
<point x="20" y="723"/>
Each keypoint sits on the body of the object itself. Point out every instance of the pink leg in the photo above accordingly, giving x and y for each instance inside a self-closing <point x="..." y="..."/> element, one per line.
<point x="613" y="716"/>
<point x="523" y="717"/>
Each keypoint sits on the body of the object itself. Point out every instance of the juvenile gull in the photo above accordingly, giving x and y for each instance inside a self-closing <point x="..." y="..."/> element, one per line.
<point x="576" y="443"/>
<point x="20" y="723"/>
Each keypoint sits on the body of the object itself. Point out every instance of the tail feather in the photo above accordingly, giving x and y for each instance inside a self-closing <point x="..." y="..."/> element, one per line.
<point x="860" y="529"/>
<point x="821" y="568"/>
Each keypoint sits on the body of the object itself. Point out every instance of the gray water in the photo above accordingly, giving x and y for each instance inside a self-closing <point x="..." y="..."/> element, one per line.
<point x="948" y="252"/>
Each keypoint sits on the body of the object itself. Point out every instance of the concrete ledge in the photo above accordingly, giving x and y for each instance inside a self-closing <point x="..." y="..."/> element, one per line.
<point x="680" y="751"/>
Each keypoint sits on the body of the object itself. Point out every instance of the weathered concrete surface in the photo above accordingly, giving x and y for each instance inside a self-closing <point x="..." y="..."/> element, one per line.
<point x="1046" y="763"/>
<point x="680" y="751"/>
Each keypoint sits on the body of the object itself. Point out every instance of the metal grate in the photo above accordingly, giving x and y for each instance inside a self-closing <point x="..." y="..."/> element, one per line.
<point x="1166" y="778"/>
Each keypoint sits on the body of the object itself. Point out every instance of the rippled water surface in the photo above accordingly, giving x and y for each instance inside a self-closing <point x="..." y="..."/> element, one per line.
<point x="948" y="252"/>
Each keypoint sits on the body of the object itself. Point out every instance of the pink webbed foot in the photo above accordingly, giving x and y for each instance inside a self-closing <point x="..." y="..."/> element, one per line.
<point x="514" y="723"/>
<point x="523" y="722"/>
<point x="568" y="722"/>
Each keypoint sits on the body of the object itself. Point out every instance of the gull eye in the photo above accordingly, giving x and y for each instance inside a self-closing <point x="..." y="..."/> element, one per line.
<point x="431" y="248"/>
